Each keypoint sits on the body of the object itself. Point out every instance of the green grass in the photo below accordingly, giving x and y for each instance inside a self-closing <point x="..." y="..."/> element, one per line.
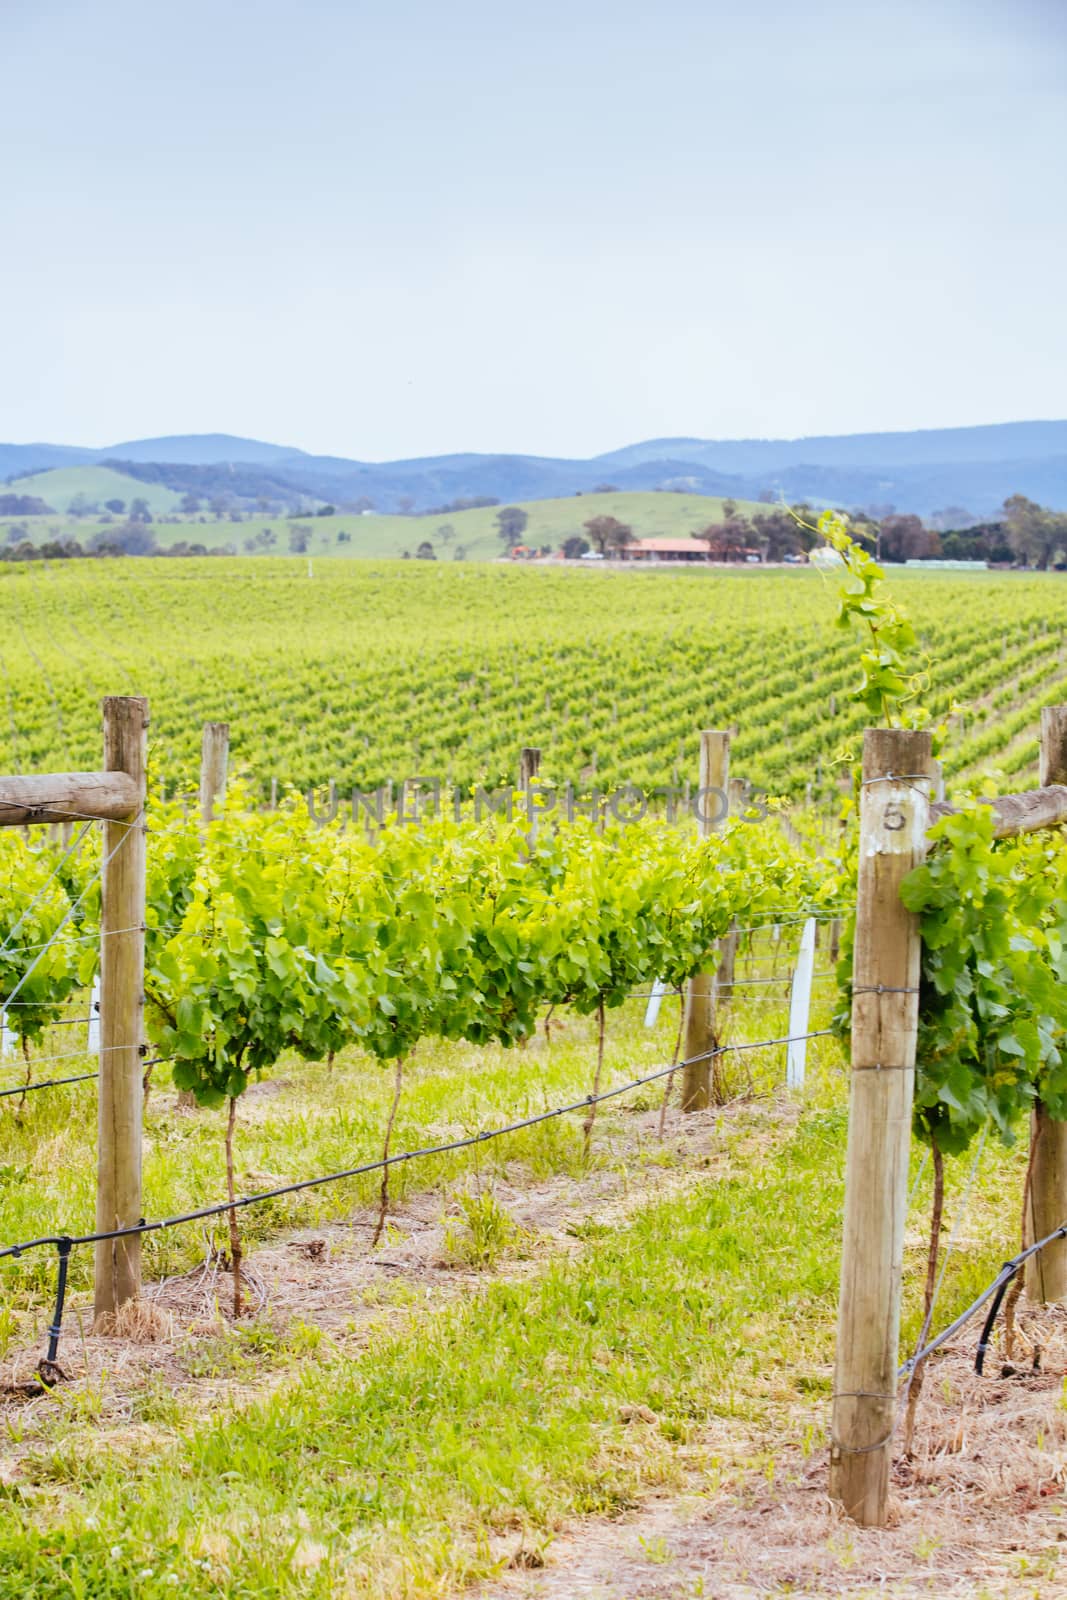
<point x="319" y="1120"/>
<point x="427" y="1447"/>
<point x="498" y="1419"/>
<point x="474" y="532"/>
<point x="59" y="486"/>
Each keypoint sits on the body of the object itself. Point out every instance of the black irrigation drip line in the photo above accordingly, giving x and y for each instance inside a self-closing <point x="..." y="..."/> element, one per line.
<point x="48" y="1366"/>
<point x="48" y="1083"/>
<point x="759" y="1044"/>
<point x="223" y="1206"/>
<point x="65" y="1242"/>
<point x="82" y="1077"/>
<point x="993" y="1291"/>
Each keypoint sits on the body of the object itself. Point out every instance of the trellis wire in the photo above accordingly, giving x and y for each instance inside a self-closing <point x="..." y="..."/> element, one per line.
<point x="996" y="1288"/>
<point x="66" y="1243"/>
<point x="70" y="912"/>
<point x="46" y="885"/>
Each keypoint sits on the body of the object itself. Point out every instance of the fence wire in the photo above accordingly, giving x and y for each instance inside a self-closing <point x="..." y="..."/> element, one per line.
<point x="65" y="1243"/>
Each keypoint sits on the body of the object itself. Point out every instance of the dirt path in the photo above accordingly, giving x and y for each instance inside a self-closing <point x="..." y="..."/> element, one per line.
<point x="328" y="1279"/>
<point x="979" y="1512"/>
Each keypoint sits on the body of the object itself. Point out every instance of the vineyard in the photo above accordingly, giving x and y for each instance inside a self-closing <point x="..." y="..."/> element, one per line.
<point x="434" y="1253"/>
<point x="365" y="674"/>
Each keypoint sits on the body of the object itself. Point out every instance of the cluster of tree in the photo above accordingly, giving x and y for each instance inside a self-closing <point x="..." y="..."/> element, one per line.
<point x="980" y="541"/>
<point x="899" y="536"/>
<point x="128" y="539"/>
<point x="606" y="533"/>
<point x="426" y="552"/>
<point x="773" y="535"/>
<point x="1037" y="535"/>
<point x="242" y="482"/>
<point x="1025" y="534"/>
<point x="24" y="505"/>
<point x="81" y="506"/>
<point x="511" y="523"/>
<point x="263" y="539"/>
<point x="50" y="550"/>
<point x="102" y="546"/>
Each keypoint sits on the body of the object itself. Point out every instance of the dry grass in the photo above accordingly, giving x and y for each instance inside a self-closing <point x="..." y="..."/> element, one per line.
<point x="327" y="1280"/>
<point x="978" y="1511"/>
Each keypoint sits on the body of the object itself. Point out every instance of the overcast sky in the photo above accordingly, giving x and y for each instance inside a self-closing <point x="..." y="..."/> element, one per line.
<point x="410" y="227"/>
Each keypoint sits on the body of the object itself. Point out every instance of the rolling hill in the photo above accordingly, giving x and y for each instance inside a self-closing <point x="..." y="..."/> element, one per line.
<point x="61" y="485"/>
<point x="969" y="468"/>
<point x="473" y="533"/>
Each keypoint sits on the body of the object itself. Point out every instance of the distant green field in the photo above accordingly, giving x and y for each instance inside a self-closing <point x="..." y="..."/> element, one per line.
<point x="59" y="487"/>
<point x="473" y="532"/>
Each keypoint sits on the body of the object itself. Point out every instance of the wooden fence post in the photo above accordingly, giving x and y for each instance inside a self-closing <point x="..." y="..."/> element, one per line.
<point x="529" y="765"/>
<point x="214" y="761"/>
<point x="122" y="913"/>
<point x="700" y="1034"/>
<point x="1046" y="1273"/>
<point x="894" y="815"/>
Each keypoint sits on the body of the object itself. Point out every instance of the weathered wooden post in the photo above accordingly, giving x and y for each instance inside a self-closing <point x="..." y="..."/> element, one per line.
<point x="214" y="761"/>
<point x="894" y="814"/>
<point x="529" y="766"/>
<point x="700" y="1033"/>
<point x="1046" y="1273"/>
<point x="122" y="914"/>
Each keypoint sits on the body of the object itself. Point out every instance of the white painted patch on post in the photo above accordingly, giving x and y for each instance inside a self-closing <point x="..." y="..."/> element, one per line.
<point x="8" y="1046"/>
<point x="93" y="1041"/>
<point x="659" y="989"/>
<point x="800" y="1008"/>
